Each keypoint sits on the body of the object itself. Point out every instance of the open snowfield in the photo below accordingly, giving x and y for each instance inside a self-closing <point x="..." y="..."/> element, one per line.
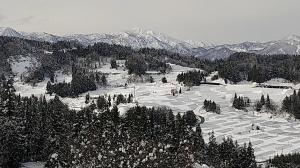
<point x="278" y="134"/>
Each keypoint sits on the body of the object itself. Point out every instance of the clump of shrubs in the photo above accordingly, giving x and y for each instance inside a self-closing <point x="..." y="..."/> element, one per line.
<point x="211" y="106"/>
<point x="164" y="80"/>
<point x="240" y="102"/>
<point x="265" y="103"/>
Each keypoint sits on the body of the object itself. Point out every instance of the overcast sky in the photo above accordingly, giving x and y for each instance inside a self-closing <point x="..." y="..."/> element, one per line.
<point x="217" y="21"/>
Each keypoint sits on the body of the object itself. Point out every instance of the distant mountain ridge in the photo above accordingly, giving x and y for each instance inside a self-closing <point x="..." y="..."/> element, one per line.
<point x="139" y="38"/>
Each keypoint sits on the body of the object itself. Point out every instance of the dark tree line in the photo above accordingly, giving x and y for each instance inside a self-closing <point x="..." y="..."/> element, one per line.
<point x="122" y="99"/>
<point x="103" y="103"/>
<point x="31" y="127"/>
<point x="258" y="68"/>
<point x="136" y="65"/>
<point x="81" y="83"/>
<point x="291" y="104"/>
<point x="285" y="161"/>
<point x="178" y="59"/>
<point x="194" y="78"/>
<point x="139" y="64"/>
<point x="149" y="137"/>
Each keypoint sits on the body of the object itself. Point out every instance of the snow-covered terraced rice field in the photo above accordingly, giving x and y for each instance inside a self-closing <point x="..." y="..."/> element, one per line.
<point x="277" y="134"/>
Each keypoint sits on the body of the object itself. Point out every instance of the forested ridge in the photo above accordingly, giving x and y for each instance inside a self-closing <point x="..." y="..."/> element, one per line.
<point x="238" y="67"/>
<point x="65" y="54"/>
<point x="259" y="68"/>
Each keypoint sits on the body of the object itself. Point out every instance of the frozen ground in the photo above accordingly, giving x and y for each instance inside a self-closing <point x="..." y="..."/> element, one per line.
<point x="278" y="134"/>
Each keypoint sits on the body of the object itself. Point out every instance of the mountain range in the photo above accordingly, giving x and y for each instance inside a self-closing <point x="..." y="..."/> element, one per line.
<point x="139" y="38"/>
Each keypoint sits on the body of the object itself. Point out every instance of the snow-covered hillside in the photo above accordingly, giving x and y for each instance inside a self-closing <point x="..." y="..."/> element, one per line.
<point x="139" y="38"/>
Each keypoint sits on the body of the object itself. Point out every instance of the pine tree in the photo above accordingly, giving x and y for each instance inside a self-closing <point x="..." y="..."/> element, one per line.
<point x="12" y="142"/>
<point x="212" y="151"/>
<point x="268" y="103"/>
<point x="113" y="64"/>
<point x="87" y="98"/>
<point x="199" y="145"/>
<point x="2" y="78"/>
<point x="251" y="163"/>
<point x="170" y="119"/>
<point x="151" y="79"/>
<point x="97" y="78"/>
<point x="8" y="99"/>
<point x="109" y="100"/>
<point x="130" y="98"/>
<point x="102" y="103"/>
<point x="49" y="88"/>
<point x="286" y="104"/>
<point x="103" y="80"/>
<point x="225" y="80"/>
<point x="115" y="114"/>
<point x="190" y="118"/>
<point x="235" y="101"/>
<point x="179" y="124"/>
<point x="52" y="77"/>
<point x="262" y="100"/>
<point x="240" y="102"/>
<point x="206" y="104"/>
<point x="258" y="106"/>
<point x="120" y="99"/>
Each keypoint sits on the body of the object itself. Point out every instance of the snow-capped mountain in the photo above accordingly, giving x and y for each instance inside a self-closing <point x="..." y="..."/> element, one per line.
<point x="202" y="44"/>
<point x="139" y="38"/>
<point x="6" y="31"/>
<point x="136" y="38"/>
<point x="288" y="45"/>
<point x="42" y="36"/>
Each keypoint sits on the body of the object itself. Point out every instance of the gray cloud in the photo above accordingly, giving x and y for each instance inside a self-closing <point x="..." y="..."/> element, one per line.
<point x="217" y="21"/>
<point x="23" y="20"/>
<point x="2" y="17"/>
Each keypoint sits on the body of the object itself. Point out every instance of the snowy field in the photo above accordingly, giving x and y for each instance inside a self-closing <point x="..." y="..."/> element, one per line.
<point x="278" y="134"/>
